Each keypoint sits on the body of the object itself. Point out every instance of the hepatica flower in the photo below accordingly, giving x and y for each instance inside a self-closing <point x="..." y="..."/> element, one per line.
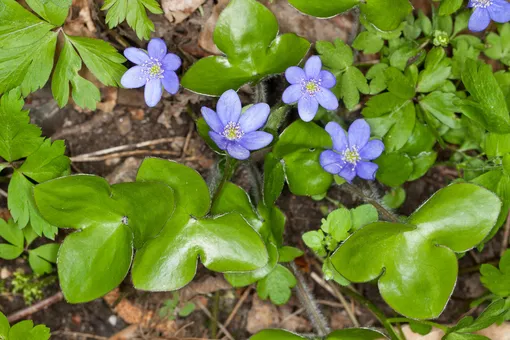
<point x="155" y="70"/>
<point x="236" y="132"/>
<point x="351" y="155"/>
<point x="485" y="10"/>
<point x="310" y="88"/>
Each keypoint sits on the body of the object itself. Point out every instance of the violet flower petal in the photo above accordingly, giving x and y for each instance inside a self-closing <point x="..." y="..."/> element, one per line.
<point x="254" y="118"/>
<point x="327" y="99"/>
<point x="366" y="170"/>
<point x="292" y="94"/>
<point x="136" y="55"/>
<point x="133" y="78"/>
<point x="307" y="108"/>
<point x="295" y="75"/>
<point x="348" y="173"/>
<point x="359" y="133"/>
<point x="212" y="119"/>
<point x="171" y="62"/>
<point x="331" y="162"/>
<point x="337" y="135"/>
<point x="237" y="151"/>
<point x="327" y="79"/>
<point x="170" y="81"/>
<point x="229" y="107"/>
<point x="372" y="150"/>
<point x="479" y="20"/>
<point x="256" y="140"/>
<point x="220" y="141"/>
<point x="157" y="48"/>
<point x="153" y="92"/>
<point x="313" y="67"/>
<point x="499" y="11"/>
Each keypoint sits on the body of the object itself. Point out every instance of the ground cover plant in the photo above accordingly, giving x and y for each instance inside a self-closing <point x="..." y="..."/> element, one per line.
<point x="347" y="126"/>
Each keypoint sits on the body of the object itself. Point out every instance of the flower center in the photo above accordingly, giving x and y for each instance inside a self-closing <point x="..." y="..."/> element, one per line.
<point x="482" y="3"/>
<point x="351" y="155"/>
<point x="233" y="131"/>
<point x="311" y="86"/>
<point x="152" y="69"/>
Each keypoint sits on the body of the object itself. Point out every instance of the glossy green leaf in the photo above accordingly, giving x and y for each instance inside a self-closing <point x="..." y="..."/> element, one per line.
<point x="499" y="45"/>
<point x="277" y="285"/>
<point x="337" y="55"/>
<point x="135" y="14"/>
<point x="26" y="330"/>
<point x="288" y="254"/>
<point x="324" y="9"/>
<point x="274" y="179"/>
<point x="395" y="198"/>
<point x="437" y="70"/>
<point x="18" y="138"/>
<point x="53" y="11"/>
<point x="398" y="84"/>
<point x="415" y="276"/>
<point x="296" y="137"/>
<point x="337" y="224"/>
<point x="497" y="280"/>
<point x="10" y="232"/>
<point x="355" y="334"/>
<point x="246" y="32"/>
<point x="352" y="82"/>
<point x="363" y="215"/>
<point x="376" y="75"/>
<point x="40" y="259"/>
<point x="442" y="106"/>
<point x="276" y="334"/>
<point x="422" y="163"/>
<point x="84" y="92"/>
<point x="485" y="91"/>
<point x="449" y="7"/>
<point x="368" y="42"/>
<point x="4" y="325"/>
<point x="47" y="162"/>
<point x="394" y="169"/>
<point x="496" y="145"/>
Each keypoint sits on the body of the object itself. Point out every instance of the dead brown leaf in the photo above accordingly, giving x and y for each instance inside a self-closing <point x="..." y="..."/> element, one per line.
<point x="176" y="11"/>
<point x="80" y="21"/>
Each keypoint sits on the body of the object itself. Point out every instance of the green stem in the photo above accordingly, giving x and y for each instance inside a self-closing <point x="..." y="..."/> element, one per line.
<point x="228" y="172"/>
<point x="373" y="308"/>
<point x="389" y="216"/>
<point x="423" y="322"/>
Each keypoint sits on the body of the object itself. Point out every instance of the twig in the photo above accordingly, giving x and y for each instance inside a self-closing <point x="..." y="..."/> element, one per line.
<point x="236" y="309"/>
<point x="336" y="293"/>
<point x="78" y="334"/>
<point x="188" y="139"/>
<point x="220" y="325"/>
<point x="288" y="317"/>
<point x="389" y="216"/>
<point x="128" y="154"/>
<point x="309" y="303"/>
<point x="506" y="235"/>
<point x="35" y="307"/>
<point x="3" y="193"/>
<point x="125" y="147"/>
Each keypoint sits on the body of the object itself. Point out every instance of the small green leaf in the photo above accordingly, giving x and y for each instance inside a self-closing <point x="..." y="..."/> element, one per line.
<point x="18" y="138"/>
<point x="53" y="11"/>
<point x="26" y="330"/>
<point x="496" y="145"/>
<point x="355" y="334"/>
<point x="449" y="7"/>
<point x="274" y="179"/>
<point x="384" y="17"/>
<point x="187" y="309"/>
<point x="436" y="72"/>
<point x="363" y="215"/>
<point x="415" y="263"/>
<point x="324" y="9"/>
<point x="352" y="82"/>
<point x="377" y="76"/>
<point x="368" y="42"/>
<point x="101" y="59"/>
<point x="84" y="93"/>
<point x="337" y="56"/>
<point x="395" y="198"/>
<point x="314" y="239"/>
<point x="276" y="334"/>
<point x="442" y="106"/>
<point x="288" y="254"/>
<point x="398" y="84"/>
<point x="394" y="169"/>
<point x="135" y="14"/>
<point x="10" y="232"/>
<point x="246" y="32"/>
<point x="497" y="280"/>
<point x="4" y="326"/>
<point x="338" y="224"/>
<point x="420" y="328"/>
<point x="40" y="259"/>
<point x="277" y="285"/>
<point x="499" y="45"/>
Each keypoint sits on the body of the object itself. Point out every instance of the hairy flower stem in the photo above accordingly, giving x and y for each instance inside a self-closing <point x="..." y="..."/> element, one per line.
<point x="388" y="215"/>
<point x="309" y="303"/>
<point x="260" y="92"/>
<point x="373" y="308"/>
<point x="228" y="172"/>
<point x="423" y="322"/>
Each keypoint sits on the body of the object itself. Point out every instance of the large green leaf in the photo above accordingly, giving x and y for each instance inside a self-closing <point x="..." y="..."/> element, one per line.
<point x="10" y="232"/>
<point x="246" y="32"/>
<point x="225" y="243"/>
<point x="300" y="156"/>
<point x="415" y="263"/>
<point x="342" y="334"/>
<point x="112" y="220"/>
<point x="324" y="9"/>
<point x="53" y="11"/>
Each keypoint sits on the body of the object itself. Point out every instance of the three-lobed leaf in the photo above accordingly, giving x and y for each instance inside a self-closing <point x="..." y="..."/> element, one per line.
<point x="53" y="11"/>
<point x="415" y="263"/>
<point x="497" y="280"/>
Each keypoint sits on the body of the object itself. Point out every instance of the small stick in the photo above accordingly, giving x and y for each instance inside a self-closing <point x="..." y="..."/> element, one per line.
<point x="22" y="314"/>
<point x="236" y="309"/>
<point x="126" y="147"/>
<point x="78" y="334"/>
<point x="3" y="193"/>
<point x="188" y="139"/>
<point x="506" y="235"/>
<point x="209" y="315"/>
<point x="125" y="154"/>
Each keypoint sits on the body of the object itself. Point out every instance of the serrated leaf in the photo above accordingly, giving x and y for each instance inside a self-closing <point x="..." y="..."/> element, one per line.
<point x="442" y="106"/>
<point x="497" y="280"/>
<point x="134" y="12"/>
<point x="41" y="258"/>
<point x="499" y="45"/>
<point x="437" y="71"/>
<point x="18" y="138"/>
<point x="368" y="42"/>
<point x="415" y="276"/>
<point x="226" y="243"/>
<point x="246" y="32"/>
<point x="53" y="11"/>
<point x="277" y="285"/>
<point x="288" y="254"/>
<point x="352" y="82"/>
<point x="10" y="232"/>
<point x="377" y="77"/>
<point x="84" y="92"/>
<point x="337" y="55"/>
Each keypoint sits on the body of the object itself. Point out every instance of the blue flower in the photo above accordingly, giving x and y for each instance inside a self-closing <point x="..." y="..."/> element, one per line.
<point x="155" y="69"/>
<point x="234" y="132"/>
<point x="351" y="155"/>
<point x="309" y="88"/>
<point x="485" y="10"/>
